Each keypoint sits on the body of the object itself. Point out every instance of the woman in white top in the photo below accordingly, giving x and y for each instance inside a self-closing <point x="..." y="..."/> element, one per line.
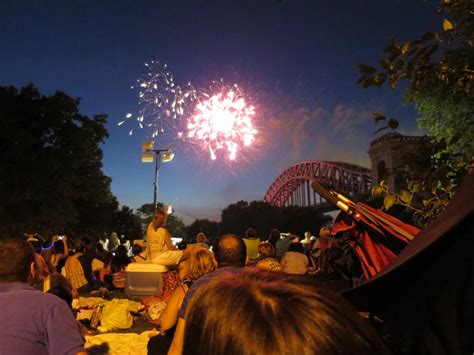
<point x="159" y="247"/>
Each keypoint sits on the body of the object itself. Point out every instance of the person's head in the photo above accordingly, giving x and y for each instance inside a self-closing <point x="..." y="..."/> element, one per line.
<point x="275" y="314"/>
<point x="274" y="236"/>
<point x="201" y="262"/>
<point x="35" y="240"/>
<point x="230" y="250"/>
<point x="296" y="247"/>
<point x="201" y="238"/>
<point x="307" y="235"/>
<point x="121" y="252"/>
<point x="79" y="246"/>
<point x="250" y="233"/>
<point x="324" y="232"/>
<point x="136" y="249"/>
<point x="266" y="250"/>
<point x="100" y="248"/>
<point x="159" y="219"/>
<point x="17" y="261"/>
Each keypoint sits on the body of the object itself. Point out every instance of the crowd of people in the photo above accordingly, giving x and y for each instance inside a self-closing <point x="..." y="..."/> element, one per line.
<point x="243" y="295"/>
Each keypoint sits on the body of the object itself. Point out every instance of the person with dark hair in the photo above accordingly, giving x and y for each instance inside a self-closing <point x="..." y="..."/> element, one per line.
<point x="33" y="322"/>
<point x="275" y="314"/>
<point x="139" y="255"/>
<point x="231" y="256"/>
<point x="73" y="269"/>
<point x="117" y="267"/>
<point x="274" y="237"/>
<point x="49" y="251"/>
<point x="294" y="261"/>
<point x="282" y="244"/>
<point x="251" y="243"/>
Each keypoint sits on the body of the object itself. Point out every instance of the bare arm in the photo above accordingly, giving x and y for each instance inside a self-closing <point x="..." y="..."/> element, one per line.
<point x="176" y="347"/>
<point x="63" y="255"/>
<point x="168" y="242"/>
<point x="283" y="261"/>
<point x="169" y="316"/>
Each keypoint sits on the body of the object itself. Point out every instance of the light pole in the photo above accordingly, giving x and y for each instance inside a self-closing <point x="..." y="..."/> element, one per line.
<point x="160" y="155"/>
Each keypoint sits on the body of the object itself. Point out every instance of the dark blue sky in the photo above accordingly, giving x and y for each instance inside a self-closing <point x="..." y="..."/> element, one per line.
<point x="296" y="60"/>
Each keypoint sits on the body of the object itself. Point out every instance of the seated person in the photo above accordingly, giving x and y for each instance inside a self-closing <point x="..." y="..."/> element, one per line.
<point x="139" y="255"/>
<point x="33" y="322"/>
<point x="160" y="249"/>
<point x="49" y="251"/>
<point x="251" y="243"/>
<point x="201" y="240"/>
<point x="200" y="263"/>
<point x="118" y="264"/>
<point x="275" y="314"/>
<point x="73" y="269"/>
<point x="267" y="259"/>
<point x="294" y="261"/>
<point x="200" y="243"/>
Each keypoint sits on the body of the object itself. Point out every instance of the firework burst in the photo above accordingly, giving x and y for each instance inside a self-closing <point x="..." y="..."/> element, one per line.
<point x="217" y="120"/>
<point x="161" y="100"/>
<point x="223" y="122"/>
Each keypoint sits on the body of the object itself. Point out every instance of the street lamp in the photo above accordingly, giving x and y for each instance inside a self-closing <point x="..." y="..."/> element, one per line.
<point x="160" y="155"/>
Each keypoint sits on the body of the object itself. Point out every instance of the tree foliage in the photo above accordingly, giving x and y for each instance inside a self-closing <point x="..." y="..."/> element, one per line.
<point x="439" y="70"/>
<point x="237" y="217"/>
<point x="419" y="58"/>
<point x="209" y="228"/>
<point x="51" y="162"/>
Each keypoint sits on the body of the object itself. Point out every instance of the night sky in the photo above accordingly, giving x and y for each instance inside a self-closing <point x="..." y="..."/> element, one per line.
<point x="296" y="61"/>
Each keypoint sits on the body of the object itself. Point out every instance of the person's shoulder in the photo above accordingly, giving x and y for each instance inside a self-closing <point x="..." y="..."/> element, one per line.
<point x="42" y="299"/>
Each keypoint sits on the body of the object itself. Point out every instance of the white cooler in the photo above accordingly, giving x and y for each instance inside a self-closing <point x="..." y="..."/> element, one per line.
<point x="144" y="279"/>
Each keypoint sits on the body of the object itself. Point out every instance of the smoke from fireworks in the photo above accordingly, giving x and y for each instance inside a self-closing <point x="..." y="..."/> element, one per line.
<point x="216" y="120"/>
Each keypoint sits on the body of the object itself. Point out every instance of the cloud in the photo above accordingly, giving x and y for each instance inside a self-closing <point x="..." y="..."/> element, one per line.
<point x="338" y="133"/>
<point x="346" y="117"/>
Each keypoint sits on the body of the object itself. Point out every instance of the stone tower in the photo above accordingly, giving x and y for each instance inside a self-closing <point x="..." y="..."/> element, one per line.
<point x="385" y="155"/>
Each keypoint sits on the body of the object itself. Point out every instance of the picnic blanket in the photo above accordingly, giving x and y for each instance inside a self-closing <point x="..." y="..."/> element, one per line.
<point x="119" y="343"/>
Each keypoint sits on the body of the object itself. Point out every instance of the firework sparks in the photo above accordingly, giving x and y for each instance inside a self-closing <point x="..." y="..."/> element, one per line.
<point x="223" y="122"/>
<point x="161" y="100"/>
<point x="182" y="115"/>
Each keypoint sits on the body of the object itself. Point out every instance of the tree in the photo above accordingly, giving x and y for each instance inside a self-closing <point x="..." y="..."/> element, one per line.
<point x="236" y="218"/>
<point x="51" y="162"/>
<point x="128" y="224"/>
<point x="439" y="70"/>
<point x="448" y="116"/>
<point x="209" y="228"/>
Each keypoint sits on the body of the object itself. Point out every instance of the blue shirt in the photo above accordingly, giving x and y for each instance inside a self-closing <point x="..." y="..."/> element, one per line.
<point x="34" y="322"/>
<point x="281" y="247"/>
<point x="202" y="281"/>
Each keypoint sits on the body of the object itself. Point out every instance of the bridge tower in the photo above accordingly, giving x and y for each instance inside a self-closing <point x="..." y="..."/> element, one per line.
<point x="386" y="154"/>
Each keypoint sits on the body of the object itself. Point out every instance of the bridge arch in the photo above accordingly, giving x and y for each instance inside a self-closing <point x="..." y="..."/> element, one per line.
<point x="292" y="186"/>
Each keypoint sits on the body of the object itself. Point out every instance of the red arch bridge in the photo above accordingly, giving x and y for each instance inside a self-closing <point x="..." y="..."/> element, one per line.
<point x="292" y="187"/>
